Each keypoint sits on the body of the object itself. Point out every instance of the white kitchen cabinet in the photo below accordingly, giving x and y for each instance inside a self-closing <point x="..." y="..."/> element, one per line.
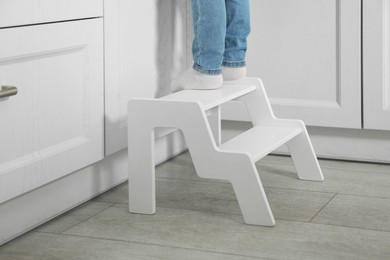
<point x="308" y="54"/>
<point x="138" y="60"/>
<point x="52" y="131"/>
<point x="376" y="64"/>
<point x="27" y="12"/>
<point x="54" y="125"/>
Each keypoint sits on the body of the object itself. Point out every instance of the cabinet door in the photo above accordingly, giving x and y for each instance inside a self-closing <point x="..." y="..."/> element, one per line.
<point x="138" y="55"/>
<point x="308" y="54"/>
<point x="376" y="64"/>
<point x="54" y="125"/>
<point x="22" y="12"/>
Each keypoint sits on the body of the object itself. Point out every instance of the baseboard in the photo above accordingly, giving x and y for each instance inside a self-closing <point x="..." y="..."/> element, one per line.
<point x="24" y="213"/>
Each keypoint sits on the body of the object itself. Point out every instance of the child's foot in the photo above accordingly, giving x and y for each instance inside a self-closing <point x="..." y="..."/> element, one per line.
<point x="230" y="73"/>
<point x="192" y="79"/>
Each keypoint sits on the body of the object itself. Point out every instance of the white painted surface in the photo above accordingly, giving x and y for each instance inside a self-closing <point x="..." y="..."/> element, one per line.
<point x="25" y="12"/>
<point x="308" y="54"/>
<point x="54" y="125"/>
<point x="333" y="143"/>
<point x="233" y="161"/>
<point x="32" y="209"/>
<point x="259" y="141"/>
<point x="138" y="59"/>
<point x="210" y="99"/>
<point x="376" y="64"/>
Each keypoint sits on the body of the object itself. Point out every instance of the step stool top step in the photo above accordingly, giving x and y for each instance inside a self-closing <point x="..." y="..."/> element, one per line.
<point x="259" y="141"/>
<point x="211" y="98"/>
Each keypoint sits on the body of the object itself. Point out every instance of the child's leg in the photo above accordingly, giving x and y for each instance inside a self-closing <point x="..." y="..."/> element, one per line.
<point x="238" y="29"/>
<point x="209" y="24"/>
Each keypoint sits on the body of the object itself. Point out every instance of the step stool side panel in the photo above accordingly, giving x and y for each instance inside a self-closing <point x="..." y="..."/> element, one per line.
<point x="146" y="114"/>
<point x="141" y="165"/>
<point x="304" y="157"/>
<point x="243" y="175"/>
<point x="214" y="119"/>
<point x="301" y="149"/>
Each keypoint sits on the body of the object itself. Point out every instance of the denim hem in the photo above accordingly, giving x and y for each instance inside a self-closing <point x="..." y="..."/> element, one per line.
<point x="206" y="71"/>
<point x="234" y="64"/>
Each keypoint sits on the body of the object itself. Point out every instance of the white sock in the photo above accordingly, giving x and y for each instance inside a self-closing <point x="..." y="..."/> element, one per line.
<point x="230" y="73"/>
<point x="192" y="79"/>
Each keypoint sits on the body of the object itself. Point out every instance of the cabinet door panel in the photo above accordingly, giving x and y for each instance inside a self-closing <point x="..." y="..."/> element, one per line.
<point x="308" y="54"/>
<point x="376" y="64"/>
<point x="22" y="12"/>
<point x="54" y="125"/>
<point x="138" y="56"/>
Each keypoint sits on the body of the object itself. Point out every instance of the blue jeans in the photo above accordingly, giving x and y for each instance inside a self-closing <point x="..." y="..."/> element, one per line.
<point x="221" y="28"/>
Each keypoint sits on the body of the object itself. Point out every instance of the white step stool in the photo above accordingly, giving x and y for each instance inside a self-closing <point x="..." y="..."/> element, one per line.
<point x="233" y="161"/>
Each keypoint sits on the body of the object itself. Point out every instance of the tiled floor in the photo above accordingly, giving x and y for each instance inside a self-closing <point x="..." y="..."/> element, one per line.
<point x="345" y="217"/>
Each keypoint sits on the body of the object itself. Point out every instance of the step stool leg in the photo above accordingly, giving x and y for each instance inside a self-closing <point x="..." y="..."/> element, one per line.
<point x="142" y="192"/>
<point x="249" y="192"/>
<point x="214" y="118"/>
<point x="304" y="157"/>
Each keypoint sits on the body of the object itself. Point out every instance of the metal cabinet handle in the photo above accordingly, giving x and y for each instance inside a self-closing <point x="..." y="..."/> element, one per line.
<point x="7" y="91"/>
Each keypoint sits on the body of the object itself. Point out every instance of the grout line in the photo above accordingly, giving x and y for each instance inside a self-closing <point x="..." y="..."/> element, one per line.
<point x="271" y="187"/>
<point x="112" y="204"/>
<point x="66" y="213"/>
<point x="217" y="212"/>
<point x="291" y="189"/>
<point x="265" y="186"/>
<point x="283" y="157"/>
<point x="283" y="188"/>
<point x="259" y="164"/>
<point x="344" y="226"/>
<point x="196" y="180"/>
<point x="332" y="168"/>
<point x="44" y="232"/>
<point x="162" y="245"/>
<point x="228" y="214"/>
<point x="334" y="159"/>
<point x="279" y="219"/>
<point x="326" y="204"/>
<point x="366" y="196"/>
<point x="204" y="211"/>
<point x="233" y="214"/>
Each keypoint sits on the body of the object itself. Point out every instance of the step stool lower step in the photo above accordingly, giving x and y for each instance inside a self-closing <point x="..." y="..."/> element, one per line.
<point x="260" y="140"/>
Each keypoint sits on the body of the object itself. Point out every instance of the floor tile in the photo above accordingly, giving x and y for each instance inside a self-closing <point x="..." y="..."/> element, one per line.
<point x="225" y="233"/>
<point x="174" y="190"/>
<point x="355" y="166"/>
<point x="73" y="217"/>
<point x="337" y="181"/>
<point x="276" y="159"/>
<point x="119" y="194"/>
<point x="296" y="205"/>
<point x="44" y="246"/>
<point x="332" y="164"/>
<point x="365" y="183"/>
<point x="220" y="198"/>
<point x="180" y="167"/>
<point x="184" y="159"/>
<point x="356" y="211"/>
